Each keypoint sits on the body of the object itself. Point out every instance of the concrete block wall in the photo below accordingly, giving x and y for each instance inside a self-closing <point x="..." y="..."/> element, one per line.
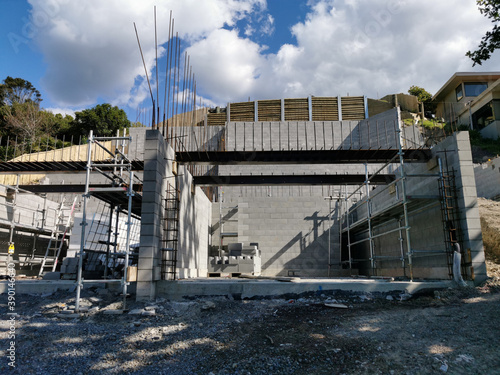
<point x="292" y="233"/>
<point x="157" y="165"/>
<point x="189" y="138"/>
<point x="195" y="218"/>
<point x="487" y="177"/>
<point x="379" y="131"/>
<point x="467" y="201"/>
<point x="229" y="212"/>
<point x="290" y="135"/>
<point x="136" y="149"/>
<point x="232" y="193"/>
<point x="277" y="216"/>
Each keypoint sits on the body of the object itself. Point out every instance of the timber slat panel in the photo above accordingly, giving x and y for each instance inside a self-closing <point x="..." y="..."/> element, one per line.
<point x="353" y="108"/>
<point x="244" y="111"/>
<point x="216" y="119"/>
<point x="325" y="109"/>
<point x="296" y="109"/>
<point x="269" y="110"/>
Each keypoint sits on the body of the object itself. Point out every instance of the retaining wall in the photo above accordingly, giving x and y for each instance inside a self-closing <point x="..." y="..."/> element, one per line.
<point x="487" y="177"/>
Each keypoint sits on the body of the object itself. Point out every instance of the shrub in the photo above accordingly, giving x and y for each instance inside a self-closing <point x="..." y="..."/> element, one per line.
<point x="491" y="241"/>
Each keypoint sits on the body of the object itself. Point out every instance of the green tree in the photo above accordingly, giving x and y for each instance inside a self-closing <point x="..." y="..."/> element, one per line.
<point x="103" y="119"/>
<point x="422" y="95"/>
<point x="491" y="40"/>
<point x="59" y="124"/>
<point x="18" y="90"/>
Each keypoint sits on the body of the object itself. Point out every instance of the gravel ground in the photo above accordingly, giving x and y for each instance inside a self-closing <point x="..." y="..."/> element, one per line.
<point x="451" y="331"/>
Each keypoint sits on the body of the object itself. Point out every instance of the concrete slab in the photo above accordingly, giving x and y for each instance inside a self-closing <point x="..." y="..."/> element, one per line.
<point x="246" y="288"/>
<point x="251" y="288"/>
<point x="51" y="286"/>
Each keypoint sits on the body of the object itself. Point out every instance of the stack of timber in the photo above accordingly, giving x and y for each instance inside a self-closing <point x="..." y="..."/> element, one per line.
<point x="325" y="109"/>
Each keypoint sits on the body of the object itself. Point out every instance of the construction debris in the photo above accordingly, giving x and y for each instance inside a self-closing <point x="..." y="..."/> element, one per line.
<point x="375" y="336"/>
<point x="336" y="305"/>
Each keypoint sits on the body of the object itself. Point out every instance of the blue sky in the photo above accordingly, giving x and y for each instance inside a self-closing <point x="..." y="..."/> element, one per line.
<point x="79" y="54"/>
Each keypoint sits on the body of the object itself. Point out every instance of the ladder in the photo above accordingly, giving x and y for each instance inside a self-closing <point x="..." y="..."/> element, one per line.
<point x="449" y="215"/>
<point x="170" y="232"/>
<point x="57" y="239"/>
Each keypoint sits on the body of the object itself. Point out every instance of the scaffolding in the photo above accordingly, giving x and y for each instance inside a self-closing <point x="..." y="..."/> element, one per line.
<point x="397" y="213"/>
<point x="117" y="169"/>
<point x="35" y="216"/>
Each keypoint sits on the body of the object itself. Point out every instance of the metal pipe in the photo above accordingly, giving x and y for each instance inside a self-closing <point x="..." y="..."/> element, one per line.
<point x="79" y="283"/>
<point x="368" y="208"/>
<point x="130" y="195"/>
<point x="405" y="198"/>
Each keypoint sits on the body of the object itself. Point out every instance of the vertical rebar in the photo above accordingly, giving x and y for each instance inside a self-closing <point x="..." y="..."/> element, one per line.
<point x="157" y="109"/>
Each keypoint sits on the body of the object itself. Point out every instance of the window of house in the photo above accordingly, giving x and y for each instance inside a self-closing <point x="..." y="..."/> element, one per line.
<point x="474" y="88"/>
<point x="483" y="117"/>
<point x="459" y="91"/>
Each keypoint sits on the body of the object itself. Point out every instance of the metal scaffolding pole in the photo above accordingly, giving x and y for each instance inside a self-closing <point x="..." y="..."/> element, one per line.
<point x="119" y="161"/>
<point x="405" y="197"/>
<point x="86" y="195"/>
<point x="369" y="213"/>
<point x="348" y="231"/>
<point x="130" y="194"/>
<point x="329" y="233"/>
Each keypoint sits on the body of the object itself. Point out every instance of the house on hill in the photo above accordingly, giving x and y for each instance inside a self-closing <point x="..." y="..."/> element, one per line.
<point x="471" y="99"/>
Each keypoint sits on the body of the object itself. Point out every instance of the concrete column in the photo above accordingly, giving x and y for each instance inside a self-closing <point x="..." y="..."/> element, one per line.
<point x="156" y="168"/>
<point x="468" y="207"/>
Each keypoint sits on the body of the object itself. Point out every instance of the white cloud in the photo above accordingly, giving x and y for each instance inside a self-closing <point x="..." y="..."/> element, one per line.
<point x="62" y="111"/>
<point x="226" y="64"/>
<point x="365" y="48"/>
<point x="347" y="47"/>
<point x="342" y="46"/>
<point x="91" y="50"/>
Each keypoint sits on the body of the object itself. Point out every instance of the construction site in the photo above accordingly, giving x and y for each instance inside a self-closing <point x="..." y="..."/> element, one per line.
<point x="312" y="235"/>
<point x="303" y="188"/>
<point x="290" y="245"/>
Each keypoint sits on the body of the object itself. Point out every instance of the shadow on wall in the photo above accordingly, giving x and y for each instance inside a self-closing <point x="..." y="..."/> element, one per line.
<point x="226" y="217"/>
<point x="311" y="247"/>
<point x="313" y="257"/>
